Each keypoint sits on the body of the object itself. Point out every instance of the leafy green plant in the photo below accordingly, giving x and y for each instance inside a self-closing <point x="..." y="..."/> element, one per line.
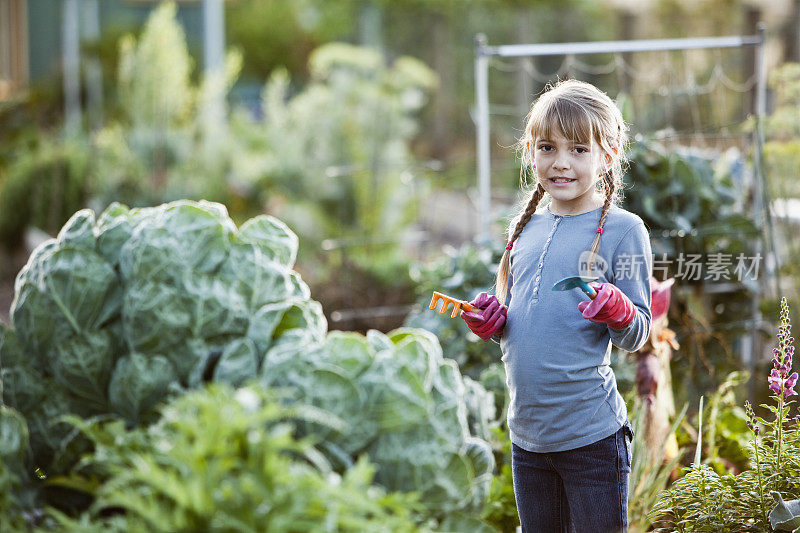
<point x="163" y="144"/>
<point x="121" y="312"/>
<point x="14" y="499"/>
<point x="726" y="440"/>
<point x="340" y="148"/>
<point x="690" y="196"/>
<point x="154" y="73"/>
<point x="501" y="506"/>
<point x="223" y="459"/>
<point x="703" y="500"/>
<point x="44" y="185"/>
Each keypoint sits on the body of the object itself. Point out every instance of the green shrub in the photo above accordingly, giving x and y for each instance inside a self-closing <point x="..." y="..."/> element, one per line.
<point x="340" y="148"/>
<point x="222" y="459"/>
<point x="690" y="196"/>
<point x="163" y="144"/>
<point x="42" y="188"/>
<point x="703" y="500"/>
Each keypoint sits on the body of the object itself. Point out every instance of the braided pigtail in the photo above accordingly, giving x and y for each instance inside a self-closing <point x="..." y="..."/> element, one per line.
<point x="501" y="283"/>
<point x="609" y="185"/>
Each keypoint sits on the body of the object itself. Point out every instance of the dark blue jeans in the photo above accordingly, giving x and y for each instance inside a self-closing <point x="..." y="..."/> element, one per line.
<point x="575" y="491"/>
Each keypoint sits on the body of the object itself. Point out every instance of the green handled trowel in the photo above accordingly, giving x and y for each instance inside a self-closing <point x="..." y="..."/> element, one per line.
<point x="577" y="281"/>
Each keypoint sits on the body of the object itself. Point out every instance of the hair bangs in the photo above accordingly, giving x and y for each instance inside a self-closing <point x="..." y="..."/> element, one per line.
<point x="562" y="116"/>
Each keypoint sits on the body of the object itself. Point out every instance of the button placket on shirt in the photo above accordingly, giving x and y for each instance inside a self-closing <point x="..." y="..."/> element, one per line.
<point x="538" y="275"/>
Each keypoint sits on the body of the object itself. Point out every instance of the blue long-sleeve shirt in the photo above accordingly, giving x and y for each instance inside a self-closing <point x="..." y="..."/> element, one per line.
<point x="563" y="391"/>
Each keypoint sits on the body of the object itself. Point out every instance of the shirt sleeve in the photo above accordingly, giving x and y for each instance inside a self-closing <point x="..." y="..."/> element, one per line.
<point x="632" y="263"/>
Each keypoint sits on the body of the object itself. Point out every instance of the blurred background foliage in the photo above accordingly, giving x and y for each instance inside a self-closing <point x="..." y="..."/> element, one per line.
<point x="689" y="200"/>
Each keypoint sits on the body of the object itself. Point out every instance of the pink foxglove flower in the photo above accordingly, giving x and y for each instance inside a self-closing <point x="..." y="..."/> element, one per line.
<point x="775" y="381"/>
<point x="780" y="381"/>
<point x="788" y="387"/>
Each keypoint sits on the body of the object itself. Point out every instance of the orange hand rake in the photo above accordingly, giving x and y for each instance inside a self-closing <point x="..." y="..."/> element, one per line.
<point x="446" y="301"/>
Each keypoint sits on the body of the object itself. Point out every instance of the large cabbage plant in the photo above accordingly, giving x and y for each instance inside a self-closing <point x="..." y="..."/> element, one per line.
<point x="119" y="312"/>
<point x="124" y="311"/>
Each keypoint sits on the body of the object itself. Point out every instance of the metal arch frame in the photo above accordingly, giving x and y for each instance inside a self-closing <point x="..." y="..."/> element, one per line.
<point x="483" y="52"/>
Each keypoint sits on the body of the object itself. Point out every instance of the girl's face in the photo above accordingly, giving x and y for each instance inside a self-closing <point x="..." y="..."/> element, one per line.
<point x="568" y="171"/>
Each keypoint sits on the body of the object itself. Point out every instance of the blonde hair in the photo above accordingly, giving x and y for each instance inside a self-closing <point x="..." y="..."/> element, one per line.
<point x="580" y="112"/>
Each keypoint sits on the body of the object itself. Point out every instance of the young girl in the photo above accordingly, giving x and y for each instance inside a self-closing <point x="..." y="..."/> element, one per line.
<point x="571" y="439"/>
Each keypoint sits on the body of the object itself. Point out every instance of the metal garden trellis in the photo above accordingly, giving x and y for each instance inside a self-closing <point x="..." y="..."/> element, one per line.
<point x="484" y="52"/>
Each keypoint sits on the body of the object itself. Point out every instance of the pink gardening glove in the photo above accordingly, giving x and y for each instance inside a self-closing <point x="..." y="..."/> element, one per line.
<point x="610" y="306"/>
<point x="489" y="320"/>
